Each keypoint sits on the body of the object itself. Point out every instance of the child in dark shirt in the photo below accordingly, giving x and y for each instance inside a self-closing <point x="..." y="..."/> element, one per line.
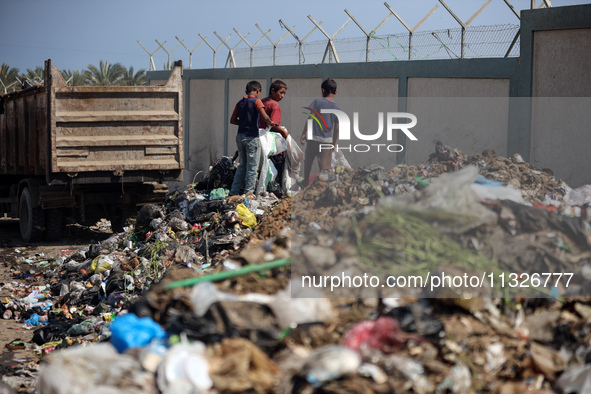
<point x="246" y="117"/>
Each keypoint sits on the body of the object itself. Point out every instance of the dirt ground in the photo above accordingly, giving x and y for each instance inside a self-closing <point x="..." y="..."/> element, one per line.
<point x="13" y="248"/>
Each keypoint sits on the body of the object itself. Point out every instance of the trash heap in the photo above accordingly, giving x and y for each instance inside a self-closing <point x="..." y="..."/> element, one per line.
<point x="198" y="295"/>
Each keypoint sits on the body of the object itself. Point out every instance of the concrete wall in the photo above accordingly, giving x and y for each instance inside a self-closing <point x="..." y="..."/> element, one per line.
<point x="206" y="139"/>
<point x="465" y="113"/>
<point x="562" y="63"/>
<point x="560" y="87"/>
<point x="471" y="104"/>
<point x="560" y="107"/>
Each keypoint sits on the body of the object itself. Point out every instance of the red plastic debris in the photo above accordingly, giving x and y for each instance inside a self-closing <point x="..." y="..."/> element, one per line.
<point x="383" y="334"/>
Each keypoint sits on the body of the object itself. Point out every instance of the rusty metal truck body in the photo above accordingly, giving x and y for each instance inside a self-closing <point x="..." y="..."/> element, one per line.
<point x="87" y="152"/>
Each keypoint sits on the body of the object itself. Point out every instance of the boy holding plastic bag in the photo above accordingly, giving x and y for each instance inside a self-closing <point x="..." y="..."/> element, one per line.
<point x="279" y="161"/>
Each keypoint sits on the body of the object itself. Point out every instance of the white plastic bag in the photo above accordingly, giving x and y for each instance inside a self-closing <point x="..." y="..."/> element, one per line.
<point x="271" y="144"/>
<point x="339" y="160"/>
<point x="291" y="171"/>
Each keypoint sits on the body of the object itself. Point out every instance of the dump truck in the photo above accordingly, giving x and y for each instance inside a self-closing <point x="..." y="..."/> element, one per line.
<point x="82" y="153"/>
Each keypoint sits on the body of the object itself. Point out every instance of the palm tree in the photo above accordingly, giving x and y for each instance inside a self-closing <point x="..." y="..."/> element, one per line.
<point x="106" y="75"/>
<point x="35" y="76"/>
<point x="74" y="78"/>
<point x="131" y="79"/>
<point x="8" y="79"/>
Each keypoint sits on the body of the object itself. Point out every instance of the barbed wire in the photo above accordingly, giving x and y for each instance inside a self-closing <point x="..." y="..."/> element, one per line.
<point x="480" y="42"/>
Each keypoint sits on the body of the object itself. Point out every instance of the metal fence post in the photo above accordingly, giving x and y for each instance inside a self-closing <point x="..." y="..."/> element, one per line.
<point x="230" y="59"/>
<point x="410" y="31"/>
<point x="6" y="87"/>
<point x="152" y="65"/>
<point x="367" y="36"/>
<point x="518" y="32"/>
<point x="464" y="25"/>
<point x="246" y="42"/>
<point x="330" y="48"/>
<point x="169" y="64"/>
<point x="544" y="3"/>
<point x="371" y="33"/>
<point x="300" y="42"/>
<point x="190" y="52"/>
<point x="272" y="42"/>
<point x="211" y="46"/>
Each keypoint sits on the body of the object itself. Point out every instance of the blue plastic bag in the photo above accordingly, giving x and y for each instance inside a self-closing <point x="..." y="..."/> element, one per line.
<point x="130" y="331"/>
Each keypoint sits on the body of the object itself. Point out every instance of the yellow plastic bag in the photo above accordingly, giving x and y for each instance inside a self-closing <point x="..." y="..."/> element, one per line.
<point x="248" y="218"/>
<point x="101" y="264"/>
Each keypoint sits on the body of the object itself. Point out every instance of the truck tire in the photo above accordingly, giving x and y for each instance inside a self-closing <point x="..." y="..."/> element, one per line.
<point x="54" y="224"/>
<point x="31" y="220"/>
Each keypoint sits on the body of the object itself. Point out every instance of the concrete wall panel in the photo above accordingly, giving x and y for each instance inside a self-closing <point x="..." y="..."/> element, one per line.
<point x="466" y="113"/>
<point x="206" y="128"/>
<point x="561" y="88"/>
<point x="561" y="65"/>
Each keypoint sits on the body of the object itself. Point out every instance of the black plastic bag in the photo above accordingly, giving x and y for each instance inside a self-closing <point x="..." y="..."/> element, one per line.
<point x="49" y="333"/>
<point x="275" y="188"/>
<point x="221" y="175"/>
<point x="414" y="318"/>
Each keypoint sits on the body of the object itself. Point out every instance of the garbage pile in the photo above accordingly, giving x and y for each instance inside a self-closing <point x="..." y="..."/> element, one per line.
<point x="499" y="221"/>
<point x="139" y="312"/>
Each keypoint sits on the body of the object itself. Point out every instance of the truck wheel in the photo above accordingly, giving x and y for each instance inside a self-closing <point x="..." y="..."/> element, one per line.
<point x="54" y="224"/>
<point x="31" y="220"/>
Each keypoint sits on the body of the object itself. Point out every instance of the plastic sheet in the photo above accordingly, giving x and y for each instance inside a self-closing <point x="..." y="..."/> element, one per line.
<point x="449" y="203"/>
<point x="93" y="370"/>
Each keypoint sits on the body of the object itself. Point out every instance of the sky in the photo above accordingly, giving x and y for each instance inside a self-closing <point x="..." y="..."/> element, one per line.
<point x="78" y="33"/>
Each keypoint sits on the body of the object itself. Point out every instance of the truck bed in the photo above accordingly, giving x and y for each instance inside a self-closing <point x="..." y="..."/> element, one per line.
<point x="58" y="131"/>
